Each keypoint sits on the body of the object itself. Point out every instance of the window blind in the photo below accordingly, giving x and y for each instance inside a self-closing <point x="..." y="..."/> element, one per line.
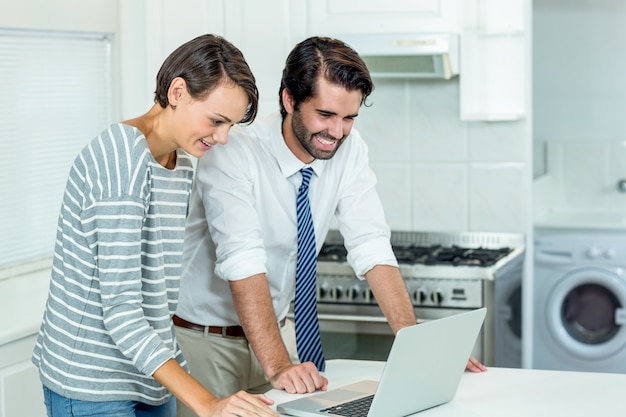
<point x="55" y="96"/>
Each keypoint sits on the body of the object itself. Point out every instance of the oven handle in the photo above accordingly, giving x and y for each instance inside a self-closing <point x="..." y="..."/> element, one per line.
<point x="352" y="318"/>
<point x="345" y="317"/>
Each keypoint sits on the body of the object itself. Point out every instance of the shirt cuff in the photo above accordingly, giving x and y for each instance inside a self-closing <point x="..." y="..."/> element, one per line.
<point x="241" y="266"/>
<point x="374" y="252"/>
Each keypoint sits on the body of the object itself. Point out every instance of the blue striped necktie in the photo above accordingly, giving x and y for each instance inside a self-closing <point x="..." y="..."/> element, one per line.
<point x="305" y="305"/>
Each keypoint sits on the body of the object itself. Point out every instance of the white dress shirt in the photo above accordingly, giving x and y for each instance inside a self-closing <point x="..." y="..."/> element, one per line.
<point x="244" y="200"/>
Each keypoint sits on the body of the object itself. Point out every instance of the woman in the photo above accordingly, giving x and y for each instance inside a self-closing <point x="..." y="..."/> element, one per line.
<point x="106" y="346"/>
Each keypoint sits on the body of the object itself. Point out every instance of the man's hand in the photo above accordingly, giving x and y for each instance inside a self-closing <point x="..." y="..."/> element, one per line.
<point x="473" y="365"/>
<point x="299" y="379"/>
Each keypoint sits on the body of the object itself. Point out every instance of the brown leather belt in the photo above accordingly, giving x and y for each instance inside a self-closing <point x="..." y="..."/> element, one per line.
<point x="230" y="331"/>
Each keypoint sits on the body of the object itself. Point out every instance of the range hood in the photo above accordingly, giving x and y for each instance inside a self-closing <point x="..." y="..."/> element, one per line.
<point x="408" y="55"/>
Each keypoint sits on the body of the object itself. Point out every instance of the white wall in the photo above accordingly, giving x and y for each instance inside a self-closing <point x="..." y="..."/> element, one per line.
<point x="260" y="29"/>
<point x="92" y="15"/>
<point x="579" y="104"/>
<point x="436" y="172"/>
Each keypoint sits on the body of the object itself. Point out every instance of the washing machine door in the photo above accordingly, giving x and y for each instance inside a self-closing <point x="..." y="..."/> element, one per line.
<point x="586" y="313"/>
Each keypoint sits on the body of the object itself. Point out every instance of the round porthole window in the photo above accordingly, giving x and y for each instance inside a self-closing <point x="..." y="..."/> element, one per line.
<point x="586" y="311"/>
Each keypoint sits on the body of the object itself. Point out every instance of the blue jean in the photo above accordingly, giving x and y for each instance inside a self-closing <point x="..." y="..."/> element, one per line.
<point x="59" y="406"/>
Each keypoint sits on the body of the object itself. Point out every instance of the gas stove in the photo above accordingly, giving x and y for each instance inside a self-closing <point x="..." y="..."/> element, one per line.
<point x="434" y="255"/>
<point x="445" y="273"/>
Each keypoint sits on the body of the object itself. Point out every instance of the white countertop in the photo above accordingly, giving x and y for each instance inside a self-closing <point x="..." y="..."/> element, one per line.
<point x="588" y="220"/>
<point x="505" y="392"/>
<point x="22" y="301"/>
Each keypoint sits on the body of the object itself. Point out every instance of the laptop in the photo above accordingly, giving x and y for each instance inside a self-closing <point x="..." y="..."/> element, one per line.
<point x="423" y="370"/>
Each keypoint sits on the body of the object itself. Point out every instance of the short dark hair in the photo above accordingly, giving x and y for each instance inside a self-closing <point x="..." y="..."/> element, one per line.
<point x="332" y="58"/>
<point x="204" y="63"/>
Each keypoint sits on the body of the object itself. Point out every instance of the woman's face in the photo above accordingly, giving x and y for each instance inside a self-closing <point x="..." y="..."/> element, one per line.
<point x="200" y="124"/>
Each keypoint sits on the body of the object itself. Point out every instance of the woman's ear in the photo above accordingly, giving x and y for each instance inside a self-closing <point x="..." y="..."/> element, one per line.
<point x="177" y="89"/>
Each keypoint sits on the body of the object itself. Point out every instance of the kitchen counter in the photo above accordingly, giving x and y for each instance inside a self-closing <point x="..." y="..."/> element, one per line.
<point x="22" y="301"/>
<point x="582" y="220"/>
<point x="505" y="392"/>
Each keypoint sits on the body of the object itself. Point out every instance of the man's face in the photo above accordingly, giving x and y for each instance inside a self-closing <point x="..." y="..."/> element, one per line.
<point x="322" y="123"/>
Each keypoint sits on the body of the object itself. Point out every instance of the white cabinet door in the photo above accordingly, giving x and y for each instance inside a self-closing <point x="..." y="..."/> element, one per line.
<point x="494" y="60"/>
<point x="369" y="16"/>
<point x="21" y="393"/>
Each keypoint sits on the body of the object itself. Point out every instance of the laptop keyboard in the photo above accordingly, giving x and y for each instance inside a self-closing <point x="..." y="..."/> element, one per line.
<point x="355" y="408"/>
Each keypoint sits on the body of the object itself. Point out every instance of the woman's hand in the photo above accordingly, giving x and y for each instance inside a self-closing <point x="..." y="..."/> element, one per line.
<point x="242" y="404"/>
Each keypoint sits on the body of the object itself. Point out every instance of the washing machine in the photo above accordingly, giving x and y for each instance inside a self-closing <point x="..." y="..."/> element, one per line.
<point x="579" y="301"/>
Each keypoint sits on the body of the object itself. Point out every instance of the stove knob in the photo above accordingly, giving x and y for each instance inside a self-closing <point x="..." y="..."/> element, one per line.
<point x="609" y="253"/>
<point x="437" y="297"/>
<point x="420" y="295"/>
<point x="338" y="292"/>
<point x="323" y="291"/>
<point x="353" y="292"/>
<point x="368" y="296"/>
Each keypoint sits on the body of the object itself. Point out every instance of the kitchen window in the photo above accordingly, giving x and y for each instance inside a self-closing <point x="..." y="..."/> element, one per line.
<point x="56" y="94"/>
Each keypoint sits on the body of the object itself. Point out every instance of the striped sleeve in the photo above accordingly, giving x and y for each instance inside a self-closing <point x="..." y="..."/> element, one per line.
<point x="115" y="277"/>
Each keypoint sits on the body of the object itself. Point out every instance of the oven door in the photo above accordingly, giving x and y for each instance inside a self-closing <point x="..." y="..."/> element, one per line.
<point x="354" y="332"/>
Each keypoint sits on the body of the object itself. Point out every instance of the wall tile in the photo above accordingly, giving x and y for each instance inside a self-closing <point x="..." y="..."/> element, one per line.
<point x="437" y="133"/>
<point x="498" y="197"/>
<point x="617" y="171"/>
<point x="440" y="197"/>
<point x="384" y="125"/>
<point x="545" y="197"/>
<point x="394" y="189"/>
<point x="585" y="169"/>
<point x="497" y="142"/>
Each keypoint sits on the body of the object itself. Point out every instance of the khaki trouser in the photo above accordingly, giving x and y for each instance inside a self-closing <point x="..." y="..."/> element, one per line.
<point x="225" y="365"/>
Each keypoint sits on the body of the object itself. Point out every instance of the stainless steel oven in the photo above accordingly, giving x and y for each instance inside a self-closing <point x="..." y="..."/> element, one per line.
<point x="444" y="273"/>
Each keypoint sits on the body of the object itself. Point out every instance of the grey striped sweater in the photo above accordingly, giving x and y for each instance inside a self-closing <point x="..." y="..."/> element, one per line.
<point x="115" y="275"/>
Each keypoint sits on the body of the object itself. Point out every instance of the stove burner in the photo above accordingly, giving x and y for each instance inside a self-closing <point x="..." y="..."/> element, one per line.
<point x="330" y="252"/>
<point x="456" y="255"/>
<point x="428" y="255"/>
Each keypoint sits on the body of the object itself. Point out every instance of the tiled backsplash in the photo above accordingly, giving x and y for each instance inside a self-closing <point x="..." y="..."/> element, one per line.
<point x="583" y="176"/>
<point x="438" y="173"/>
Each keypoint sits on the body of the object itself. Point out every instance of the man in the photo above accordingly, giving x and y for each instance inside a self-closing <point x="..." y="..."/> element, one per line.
<point x="241" y="245"/>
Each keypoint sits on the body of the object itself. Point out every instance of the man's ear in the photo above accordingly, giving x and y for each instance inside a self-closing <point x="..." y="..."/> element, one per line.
<point x="288" y="101"/>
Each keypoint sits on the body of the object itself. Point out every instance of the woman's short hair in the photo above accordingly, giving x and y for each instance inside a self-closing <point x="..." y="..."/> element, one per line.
<point x="204" y="63"/>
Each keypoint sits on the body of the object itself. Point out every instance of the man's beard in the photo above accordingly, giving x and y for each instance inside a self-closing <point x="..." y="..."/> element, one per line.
<point x="306" y="138"/>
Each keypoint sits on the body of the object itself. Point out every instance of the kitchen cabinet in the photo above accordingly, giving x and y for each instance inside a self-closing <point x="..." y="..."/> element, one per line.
<point x="23" y="293"/>
<point x="20" y="389"/>
<point x="494" y="48"/>
<point x="493" y="55"/>
<point x="368" y="16"/>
